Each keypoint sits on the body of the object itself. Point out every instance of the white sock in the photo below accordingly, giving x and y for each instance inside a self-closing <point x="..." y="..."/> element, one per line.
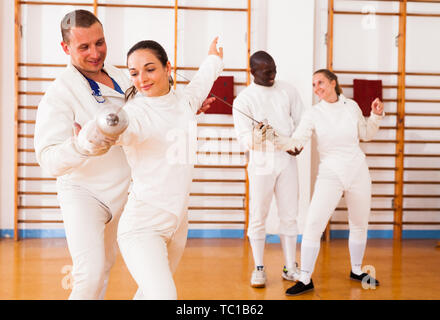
<point x="288" y="244"/>
<point x="258" y="251"/>
<point x="309" y="254"/>
<point x="357" y="250"/>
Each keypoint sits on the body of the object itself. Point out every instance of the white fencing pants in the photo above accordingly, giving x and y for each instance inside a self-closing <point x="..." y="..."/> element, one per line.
<point x="91" y="231"/>
<point x="327" y="194"/>
<point x="152" y="241"/>
<point x="281" y="182"/>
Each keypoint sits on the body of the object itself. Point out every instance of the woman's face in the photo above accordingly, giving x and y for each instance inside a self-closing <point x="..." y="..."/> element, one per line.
<point x="324" y="88"/>
<point x="148" y="74"/>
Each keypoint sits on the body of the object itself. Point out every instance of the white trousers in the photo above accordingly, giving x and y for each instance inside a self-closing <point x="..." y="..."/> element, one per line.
<point x="328" y="192"/>
<point x="281" y="181"/>
<point x="152" y="241"/>
<point x="91" y="230"/>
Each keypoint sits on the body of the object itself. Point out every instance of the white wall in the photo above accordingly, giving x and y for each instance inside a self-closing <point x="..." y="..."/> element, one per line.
<point x="6" y="114"/>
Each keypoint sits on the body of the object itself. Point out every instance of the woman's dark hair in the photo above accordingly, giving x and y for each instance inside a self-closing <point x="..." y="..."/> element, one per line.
<point x="331" y="76"/>
<point x="159" y="53"/>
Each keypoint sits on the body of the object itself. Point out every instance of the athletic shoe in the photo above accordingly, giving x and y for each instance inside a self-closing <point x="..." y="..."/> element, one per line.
<point x="300" y="288"/>
<point x="291" y="274"/>
<point x="258" y="279"/>
<point x="370" y="279"/>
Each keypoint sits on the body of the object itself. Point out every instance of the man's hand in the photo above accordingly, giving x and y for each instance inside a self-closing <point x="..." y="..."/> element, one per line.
<point x="90" y="141"/>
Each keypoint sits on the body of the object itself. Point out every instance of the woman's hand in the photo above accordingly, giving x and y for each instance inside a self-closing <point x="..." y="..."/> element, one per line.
<point x="206" y="105"/>
<point x="377" y="107"/>
<point x="213" y="49"/>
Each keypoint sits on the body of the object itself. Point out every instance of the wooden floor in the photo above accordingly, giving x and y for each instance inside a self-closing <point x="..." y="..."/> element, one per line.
<point x="220" y="269"/>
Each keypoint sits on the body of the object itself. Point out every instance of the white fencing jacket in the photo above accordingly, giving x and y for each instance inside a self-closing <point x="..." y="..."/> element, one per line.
<point x="280" y="105"/>
<point x="69" y="99"/>
<point x="160" y="141"/>
<point x="338" y="127"/>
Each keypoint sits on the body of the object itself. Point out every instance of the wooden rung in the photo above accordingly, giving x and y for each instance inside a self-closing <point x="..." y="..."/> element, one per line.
<point x="225" y="69"/>
<point x="419" y="114"/>
<point x="366" y="13"/>
<point x="195" y="194"/>
<point x="381" y="141"/>
<point x="383" y="182"/>
<point x="28" y="107"/>
<point x="388" y="128"/>
<point x="422" y="155"/>
<point x="216" y="208"/>
<point x="27" y="121"/>
<point x="421" y="196"/>
<point x="421" y="223"/>
<point x="36" y="179"/>
<point x="421" y="209"/>
<point x="422" y="141"/>
<point x="26" y="136"/>
<point x="422" y="74"/>
<point x="220" y="180"/>
<point x="20" y="164"/>
<point x="235" y="83"/>
<point x="198" y="166"/>
<point x="229" y="125"/>
<point x="382" y="195"/>
<point x="421" y="169"/>
<point x="383" y="168"/>
<point x="31" y="93"/>
<point x="220" y="153"/>
<point x="366" y="72"/>
<point x="38" y="207"/>
<point x="35" y="79"/>
<point x="372" y="209"/>
<point x="26" y="150"/>
<point x="37" y="193"/>
<point x="422" y="128"/>
<point x="214" y="222"/>
<point x="25" y="64"/>
<point x="39" y="221"/>
<point x="395" y="87"/>
<point x="422" y="100"/>
<point x="380" y="154"/>
<point x="421" y="182"/>
<point x="216" y="139"/>
<point x="369" y="222"/>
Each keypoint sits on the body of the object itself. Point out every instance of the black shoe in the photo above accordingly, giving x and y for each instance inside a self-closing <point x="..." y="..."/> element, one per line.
<point x="370" y="279"/>
<point x="300" y="288"/>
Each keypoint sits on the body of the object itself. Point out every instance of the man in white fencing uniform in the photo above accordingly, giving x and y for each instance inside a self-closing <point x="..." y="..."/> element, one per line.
<point x="92" y="188"/>
<point x="278" y="107"/>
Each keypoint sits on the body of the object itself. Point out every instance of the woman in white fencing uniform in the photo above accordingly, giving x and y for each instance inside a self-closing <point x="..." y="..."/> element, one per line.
<point x="271" y="171"/>
<point x="160" y="147"/>
<point x="338" y="124"/>
<point x="92" y="190"/>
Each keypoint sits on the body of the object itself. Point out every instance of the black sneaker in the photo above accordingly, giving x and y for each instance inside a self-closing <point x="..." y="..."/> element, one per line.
<point x="370" y="279"/>
<point x="300" y="288"/>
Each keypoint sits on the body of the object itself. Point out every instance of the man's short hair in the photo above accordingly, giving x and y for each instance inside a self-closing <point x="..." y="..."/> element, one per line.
<point x="259" y="57"/>
<point x="77" y="18"/>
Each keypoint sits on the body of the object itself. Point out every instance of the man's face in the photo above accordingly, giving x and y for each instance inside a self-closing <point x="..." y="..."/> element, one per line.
<point x="87" y="48"/>
<point x="264" y="73"/>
